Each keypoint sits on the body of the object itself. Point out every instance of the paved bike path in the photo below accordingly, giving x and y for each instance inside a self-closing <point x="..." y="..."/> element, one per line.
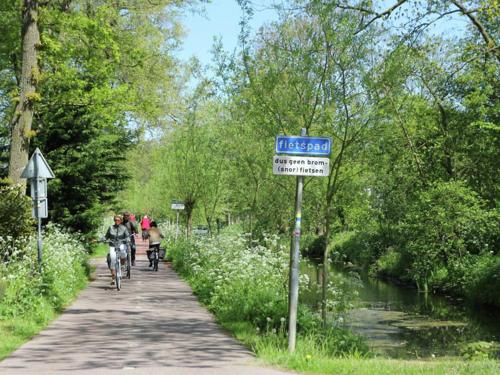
<point x="154" y="325"/>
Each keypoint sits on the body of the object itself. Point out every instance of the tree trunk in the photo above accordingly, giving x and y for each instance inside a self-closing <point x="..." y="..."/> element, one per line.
<point x="189" y="204"/>
<point x="23" y="116"/>
<point x="324" y="284"/>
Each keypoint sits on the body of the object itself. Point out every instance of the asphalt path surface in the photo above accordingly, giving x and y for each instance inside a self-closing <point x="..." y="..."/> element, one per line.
<point x="154" y="325"/>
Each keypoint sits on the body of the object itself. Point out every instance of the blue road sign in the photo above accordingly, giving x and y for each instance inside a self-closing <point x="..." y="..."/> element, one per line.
<point x="310" y="146"/>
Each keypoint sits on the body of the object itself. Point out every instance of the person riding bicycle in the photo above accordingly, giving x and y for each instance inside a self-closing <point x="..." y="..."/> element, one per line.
<point x="154" y="236"/>
<point x="132" y="229"/>
<point x="117" y="233"/>
<point x="145" y="225"/>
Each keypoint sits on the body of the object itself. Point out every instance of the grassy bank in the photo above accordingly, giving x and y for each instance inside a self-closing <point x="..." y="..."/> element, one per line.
<point x="246" y="289"/>
<point x="30" y="300"/>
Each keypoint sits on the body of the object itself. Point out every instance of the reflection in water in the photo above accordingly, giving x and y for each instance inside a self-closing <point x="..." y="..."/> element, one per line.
<point x="401" y="322"/>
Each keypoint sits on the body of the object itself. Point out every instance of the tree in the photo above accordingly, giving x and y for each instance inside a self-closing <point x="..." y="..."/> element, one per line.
<point x="309" y="71"/>
<point x="98" y="87"/>
<point x="23" y="115"/>
<point x="418" y="17"/>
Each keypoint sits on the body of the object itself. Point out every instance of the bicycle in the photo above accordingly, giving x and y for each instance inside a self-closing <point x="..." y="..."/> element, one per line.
<point x="116" y="247"/>
<point x="154" y="255"/>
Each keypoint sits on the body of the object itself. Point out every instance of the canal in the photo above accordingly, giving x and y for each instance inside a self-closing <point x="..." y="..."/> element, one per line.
<point x="400" y="322"/>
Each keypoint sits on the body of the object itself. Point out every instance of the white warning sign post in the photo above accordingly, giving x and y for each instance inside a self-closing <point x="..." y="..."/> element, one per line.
<point x="301" y="166"/>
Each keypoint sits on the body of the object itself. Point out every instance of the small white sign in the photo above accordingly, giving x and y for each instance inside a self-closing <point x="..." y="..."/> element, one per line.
<point x="177" y="206"/>
<point x="301" y="166"/>
<point x="39" y="208"/>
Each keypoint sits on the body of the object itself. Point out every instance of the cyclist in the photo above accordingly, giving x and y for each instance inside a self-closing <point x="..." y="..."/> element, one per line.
<point x="145" y="225"/>
<point x="117" y="233"/>
<point x="132" y="229"/>
<point x="155" y="237"/>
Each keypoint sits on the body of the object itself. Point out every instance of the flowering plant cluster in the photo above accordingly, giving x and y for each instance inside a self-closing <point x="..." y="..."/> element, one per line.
<point x="237" y="280"/>
<point x="241" y="280"/>
<point x="24" y="290"/>
<point x="247" y="280"/>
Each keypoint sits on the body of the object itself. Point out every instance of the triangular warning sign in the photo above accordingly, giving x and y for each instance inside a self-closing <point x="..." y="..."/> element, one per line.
<point x="37" y="167"/>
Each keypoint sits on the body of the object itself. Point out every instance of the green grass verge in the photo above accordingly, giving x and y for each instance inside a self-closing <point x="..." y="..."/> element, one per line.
<point x="308" y="358"/>
<point x="16" y="332"/>
<point x="100" y="251"/>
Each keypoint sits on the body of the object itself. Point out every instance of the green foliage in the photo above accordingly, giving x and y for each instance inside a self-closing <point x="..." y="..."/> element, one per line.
<point x="28" y="300"/>
<point x="484" y="280"/>
<point x="313" y="246"/>
<point x="414" y="173"/>
<point x="249" y="284"/>
<point x="26" y="293"/>
<point x="446" y="224"/>
<point x="16" y="223"/>
<point x="106" y="72"/>
<point x="332" y="343"/>
<point x="477" y="350"/>
<point x="361" y="248"/>
<point x="88" y="167"/>
<point x="389" y="264"/>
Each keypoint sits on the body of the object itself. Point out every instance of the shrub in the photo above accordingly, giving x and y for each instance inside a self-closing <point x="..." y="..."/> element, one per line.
<point x="389" y="264"/>
<point x="478" y="350"/>
<point x="485" y="280"/>
<point x="16" y="223"/>
<point x="27" y="292"/>
<point x="313" y="246"/>
<point x="446" y="223"/>
<point x="356" y="247"/>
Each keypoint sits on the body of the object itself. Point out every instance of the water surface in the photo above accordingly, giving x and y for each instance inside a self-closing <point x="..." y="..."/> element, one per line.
<point x="401" y="322"/>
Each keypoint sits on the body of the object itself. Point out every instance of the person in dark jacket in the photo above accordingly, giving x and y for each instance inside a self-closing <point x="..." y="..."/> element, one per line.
<point x="117" y="234"/>
<point x="132" y="229"/>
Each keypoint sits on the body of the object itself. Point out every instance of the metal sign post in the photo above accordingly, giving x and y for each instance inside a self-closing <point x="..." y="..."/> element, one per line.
<point x="177" y="226"/>
<point x="293" y="292"/>
<point x="299" y="166"/>
<point x="37" y="171"/>
<point x="177" y="206"/>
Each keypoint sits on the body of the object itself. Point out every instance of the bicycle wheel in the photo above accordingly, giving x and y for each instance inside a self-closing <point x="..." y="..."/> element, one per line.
<point x="118" y="275"/>
<point x="129" y="264"/>
<point x="156" y="261"/>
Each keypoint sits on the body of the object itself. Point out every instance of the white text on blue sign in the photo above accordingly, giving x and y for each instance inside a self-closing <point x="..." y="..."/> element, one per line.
<point x="309" y="146"/>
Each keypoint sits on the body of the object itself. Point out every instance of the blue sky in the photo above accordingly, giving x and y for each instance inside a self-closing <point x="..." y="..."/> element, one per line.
<point x="222" y="19"/>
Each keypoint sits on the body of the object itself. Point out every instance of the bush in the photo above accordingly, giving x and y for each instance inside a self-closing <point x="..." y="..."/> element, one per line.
<point x="16" y="223"/>
<point x="485" y="280"/>
<point x="64" y="273"/>
<point x="479" y="350"/>
<point x="313" y="247"/>
<point x="445" y="225"/>
<point x="355" y="247"/>
<point x="389" y="264"/>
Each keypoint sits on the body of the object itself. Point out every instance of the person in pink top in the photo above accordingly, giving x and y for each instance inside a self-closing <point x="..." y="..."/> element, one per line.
<point x="145" y="225"/>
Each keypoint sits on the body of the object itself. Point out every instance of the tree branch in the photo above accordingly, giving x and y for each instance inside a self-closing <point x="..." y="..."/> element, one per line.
<point x="490" y="43"/>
